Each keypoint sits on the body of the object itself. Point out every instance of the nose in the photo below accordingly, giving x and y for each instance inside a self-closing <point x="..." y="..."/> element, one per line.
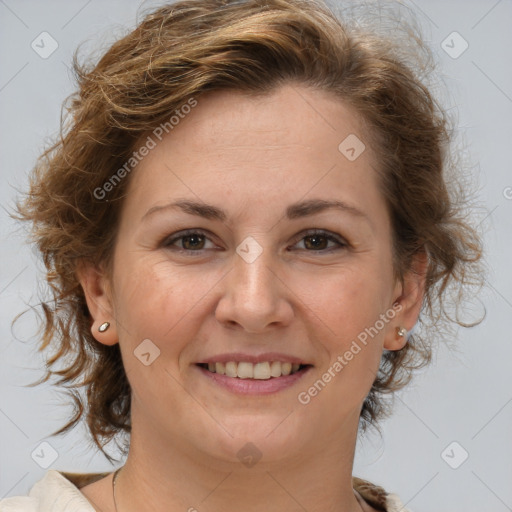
<point x="255" y="297"/>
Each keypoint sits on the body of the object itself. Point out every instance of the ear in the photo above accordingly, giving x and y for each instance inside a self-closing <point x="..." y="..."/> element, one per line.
<point x="409" y="296"/>
<point x="97" y="291"/>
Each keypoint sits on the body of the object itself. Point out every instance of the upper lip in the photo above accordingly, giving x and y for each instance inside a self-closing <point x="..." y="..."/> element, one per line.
<point x="251" y="358"/>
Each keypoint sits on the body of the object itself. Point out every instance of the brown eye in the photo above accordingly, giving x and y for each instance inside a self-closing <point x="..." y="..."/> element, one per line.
<point x="318" y="241"/>
<point x="191" y="242"/>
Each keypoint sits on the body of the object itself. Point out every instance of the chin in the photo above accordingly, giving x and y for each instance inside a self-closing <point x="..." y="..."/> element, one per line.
<point x="257" y="438"/>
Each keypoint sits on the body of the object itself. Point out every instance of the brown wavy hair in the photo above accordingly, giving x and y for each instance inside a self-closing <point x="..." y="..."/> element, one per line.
<point x="186" y="48"/>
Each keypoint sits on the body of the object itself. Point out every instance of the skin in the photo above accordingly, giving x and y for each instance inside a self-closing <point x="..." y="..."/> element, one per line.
<point x="252" y="157"/>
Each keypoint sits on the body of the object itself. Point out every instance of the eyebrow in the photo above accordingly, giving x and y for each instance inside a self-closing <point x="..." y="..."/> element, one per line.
<point x="294" y="211"/>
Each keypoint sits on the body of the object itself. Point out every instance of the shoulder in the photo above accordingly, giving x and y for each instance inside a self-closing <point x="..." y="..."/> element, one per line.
<point x="377" y="497"/>
<point x="55" y="492"/>
<point x="60" y="492"/>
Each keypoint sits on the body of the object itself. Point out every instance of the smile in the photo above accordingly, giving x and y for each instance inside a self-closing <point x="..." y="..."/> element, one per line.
<point x="264" y="370"/>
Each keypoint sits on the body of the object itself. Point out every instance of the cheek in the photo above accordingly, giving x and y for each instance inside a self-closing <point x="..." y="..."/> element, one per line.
<point x="353" y="306"/>
<point x="157" y="301"/>
<point x="349" y="300"/>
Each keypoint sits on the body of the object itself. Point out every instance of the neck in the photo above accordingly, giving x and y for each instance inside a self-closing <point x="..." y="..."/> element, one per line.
<point x="178" y="478"/>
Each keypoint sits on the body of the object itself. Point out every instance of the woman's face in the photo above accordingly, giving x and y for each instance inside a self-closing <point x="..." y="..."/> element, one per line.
<point x="249" y="267"/>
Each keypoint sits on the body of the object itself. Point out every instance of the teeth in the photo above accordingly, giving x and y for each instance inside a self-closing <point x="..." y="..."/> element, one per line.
<point x="286" y="368"/>
<point x="231" y="369"/>
<point x="275" y="369"/>
<point x="262" y="371"/>
<point x="259" y="371"/>
<point x="245" y="370"/>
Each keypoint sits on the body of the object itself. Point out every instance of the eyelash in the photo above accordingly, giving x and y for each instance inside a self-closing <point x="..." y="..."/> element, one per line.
<point x="169" y="241"/>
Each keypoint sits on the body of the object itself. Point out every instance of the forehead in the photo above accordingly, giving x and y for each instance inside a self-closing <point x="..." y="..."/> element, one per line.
<point x="259" y="150"/>
<point x="290" y="117"/>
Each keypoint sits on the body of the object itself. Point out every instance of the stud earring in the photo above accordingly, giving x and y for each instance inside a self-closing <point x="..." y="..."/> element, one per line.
<point x="104" y="326"/>
<point x="402" y="331"/>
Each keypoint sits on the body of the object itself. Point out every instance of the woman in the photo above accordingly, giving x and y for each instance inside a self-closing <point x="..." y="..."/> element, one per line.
<point x="245" y="217"/>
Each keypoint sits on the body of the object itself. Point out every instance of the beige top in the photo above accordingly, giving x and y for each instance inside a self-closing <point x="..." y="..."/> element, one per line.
<point x="58" y="491"/>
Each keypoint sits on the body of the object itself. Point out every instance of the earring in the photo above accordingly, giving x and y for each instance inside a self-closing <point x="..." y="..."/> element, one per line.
<point x="104" y="326"/>
<point x="402" y="331"/>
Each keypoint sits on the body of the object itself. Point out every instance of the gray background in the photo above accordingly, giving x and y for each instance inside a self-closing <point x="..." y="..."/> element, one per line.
<point x="464" y="397"/>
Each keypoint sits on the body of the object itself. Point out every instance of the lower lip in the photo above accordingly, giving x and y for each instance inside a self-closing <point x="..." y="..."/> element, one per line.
<point x="254" y="386"/>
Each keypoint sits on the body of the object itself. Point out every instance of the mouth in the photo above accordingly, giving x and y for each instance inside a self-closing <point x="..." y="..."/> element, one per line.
<point x="264" y="370"/>
<point x="263" y="375"/>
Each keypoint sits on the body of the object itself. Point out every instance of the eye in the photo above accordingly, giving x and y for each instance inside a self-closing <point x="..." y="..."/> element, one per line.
<point x="191" y="241"/>
<point x="316" y="240"/>
<point x="194" y="240"/>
